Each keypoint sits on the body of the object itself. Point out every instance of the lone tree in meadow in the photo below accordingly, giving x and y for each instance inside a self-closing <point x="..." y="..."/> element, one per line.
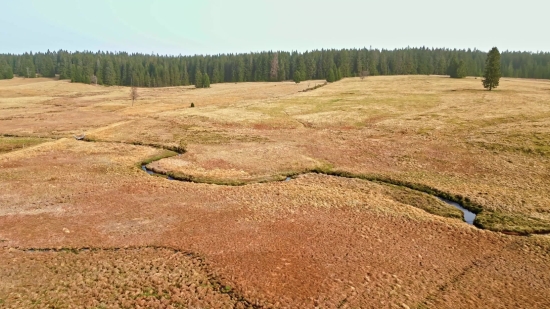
<point x="492" y="69"/>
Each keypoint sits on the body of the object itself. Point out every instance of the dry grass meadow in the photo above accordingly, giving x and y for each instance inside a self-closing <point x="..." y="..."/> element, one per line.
<point x="236" y="235"/>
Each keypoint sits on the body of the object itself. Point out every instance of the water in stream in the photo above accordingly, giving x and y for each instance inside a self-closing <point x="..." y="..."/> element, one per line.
<point x="469" y="216"/>
<point x="150" y="172"/>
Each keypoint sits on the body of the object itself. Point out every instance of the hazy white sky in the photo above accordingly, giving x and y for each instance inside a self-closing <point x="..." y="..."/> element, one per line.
<point x="218" y="26"/>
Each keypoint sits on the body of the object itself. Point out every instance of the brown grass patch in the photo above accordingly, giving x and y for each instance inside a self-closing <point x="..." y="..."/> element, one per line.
<point x="125" y="278"/>
<point x="313" y="241"/>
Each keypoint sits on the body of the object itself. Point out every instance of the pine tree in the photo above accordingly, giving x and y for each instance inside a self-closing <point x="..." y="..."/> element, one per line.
<point x="48" y="69"/>
<point x="216" y="75"/>
<point x="74" y="78"/>
<point x="274" y="67"/>
<point x="5" y="70"/>
<point x="457" y="69"/>
<point x="461" y="69"/>
<point x="8" y="74"/>
<point x="344" y="64"/>
<point x="359" y="64"/>
<point x="330" y="76"/>
<point x="64" y="69"/>
<point x="26" y="67"/>
<point x="492" y="69"/>
<point x="98" y="72"/>
<point x="297" y="77"/>
<point x="185" y="75"/>
<point x="198" y="79"/>
<point x="205" y="81"/>
<point x="109" y="75"/>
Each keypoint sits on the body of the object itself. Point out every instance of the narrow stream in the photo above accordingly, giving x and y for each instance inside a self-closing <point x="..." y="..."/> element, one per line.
<point x="469" y="216"/>
<point x="152" y="173"/>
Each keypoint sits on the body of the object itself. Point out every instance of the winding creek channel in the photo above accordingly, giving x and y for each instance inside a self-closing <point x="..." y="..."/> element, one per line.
<point x="469" y="216"/>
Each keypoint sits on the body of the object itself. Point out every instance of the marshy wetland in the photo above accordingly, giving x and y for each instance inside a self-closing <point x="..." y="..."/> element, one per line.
<point x="361" y="223"/>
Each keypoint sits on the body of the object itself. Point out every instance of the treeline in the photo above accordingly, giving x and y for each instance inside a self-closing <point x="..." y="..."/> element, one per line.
<point x="160" y="71"/>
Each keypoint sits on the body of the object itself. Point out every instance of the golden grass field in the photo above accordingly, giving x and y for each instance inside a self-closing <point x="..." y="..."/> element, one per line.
<point x="254" y="240"/>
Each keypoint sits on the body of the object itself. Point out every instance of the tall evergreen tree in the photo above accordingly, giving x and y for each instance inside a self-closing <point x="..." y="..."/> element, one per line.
<point x="109" y="75"/>
<point x="492" y="69"/>
<point x="198" y="79"/>
<point x="297" y="77"/>
<point x="216" y="74"/>
<point x="330" y="77"/>
<point x="461" y="69"/>
<point x="205" y="81"/>
<point x="5" y="70"/>
<point x="99" y="71"/>
<point x="274" y="67"/>
<point x="8" y="74"/>
<point x="26" y="66"/>
<point x="48" y="68"/>
<point x="344" y="63"/>
<point x="184" y="75"/>
<point x="457" y="69"/>
<point x="359" y="63"/>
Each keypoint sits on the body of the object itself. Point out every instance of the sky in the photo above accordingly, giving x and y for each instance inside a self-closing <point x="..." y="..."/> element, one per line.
<point x="238" y="26"/>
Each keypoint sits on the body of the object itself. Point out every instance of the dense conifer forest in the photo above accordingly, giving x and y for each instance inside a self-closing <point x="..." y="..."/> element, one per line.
<point x="143" y="70"/>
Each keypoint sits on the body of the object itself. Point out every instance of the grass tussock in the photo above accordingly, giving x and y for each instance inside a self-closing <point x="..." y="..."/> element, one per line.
<point x="211" y="181"/>
<point x="464" y="201"/>
<point x="495" y="221"/>
<point x="423" y="201"/>
<point x="8" y="143"/>
<point x="539" y="149"/>
<point x="163" y="154"/>
<point x="515" y="223"/>
<point x="105" y="278"/>
<point x="177" y="149"/>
